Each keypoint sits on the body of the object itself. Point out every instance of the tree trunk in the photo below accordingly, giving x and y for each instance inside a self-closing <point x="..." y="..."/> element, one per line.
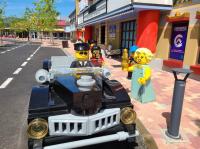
<point x="51" y="39"/>
<point x="28" y="35"/>
<point x="41" y="34"/>
<point x="1" y="36"/>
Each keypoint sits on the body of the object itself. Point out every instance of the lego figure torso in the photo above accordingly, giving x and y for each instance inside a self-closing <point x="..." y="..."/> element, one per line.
<point x="78" y="64"/>
<point x="96" y="59"/>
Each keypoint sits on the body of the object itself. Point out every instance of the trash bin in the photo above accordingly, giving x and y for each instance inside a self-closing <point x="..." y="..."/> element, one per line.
<point x="65" y="43"/>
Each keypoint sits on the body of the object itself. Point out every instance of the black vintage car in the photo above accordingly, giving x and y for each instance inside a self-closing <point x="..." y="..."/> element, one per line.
<point x="77" y="107"/>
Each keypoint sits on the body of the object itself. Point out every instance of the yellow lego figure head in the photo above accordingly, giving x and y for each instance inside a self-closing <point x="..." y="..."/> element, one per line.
<point x="143" y="56"/>
<point x="82" y="51"/>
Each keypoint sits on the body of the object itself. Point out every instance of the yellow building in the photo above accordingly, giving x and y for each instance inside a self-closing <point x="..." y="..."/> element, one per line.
<point x="179" y="36"/>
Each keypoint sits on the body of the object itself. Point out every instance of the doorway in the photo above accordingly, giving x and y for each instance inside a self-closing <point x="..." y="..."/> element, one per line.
<point x="103" y="30"/>
<point x="198" y="59"/>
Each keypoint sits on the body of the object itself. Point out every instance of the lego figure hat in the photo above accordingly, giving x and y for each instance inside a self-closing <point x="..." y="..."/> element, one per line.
<point x="133" y="49"/>
<point x="95" y="47"/>
<point x="92" y="42"/>
<point x="81" y="47"/>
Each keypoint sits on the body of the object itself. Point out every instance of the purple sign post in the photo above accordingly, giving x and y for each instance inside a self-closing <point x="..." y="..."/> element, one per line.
<point x="178" y="40"/>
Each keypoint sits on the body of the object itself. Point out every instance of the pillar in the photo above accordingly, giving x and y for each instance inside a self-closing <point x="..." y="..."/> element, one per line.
<point x="78" y="34"/>
<point x="147" y="29"/>
<point x="88" y="33"/>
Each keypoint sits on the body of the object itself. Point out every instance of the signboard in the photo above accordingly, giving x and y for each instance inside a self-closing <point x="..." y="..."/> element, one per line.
<point x="178" y="40"/>
<point x="112" y="31"/>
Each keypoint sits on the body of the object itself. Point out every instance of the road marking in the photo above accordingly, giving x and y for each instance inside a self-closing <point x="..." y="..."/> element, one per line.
<point x="5" y="83"/>
<point x="35" y="52"/>
<point x="28" y="59"/>
<point x="17" y="71"/>
<point x="24" y="64"/>
<point x="13" y="48"/>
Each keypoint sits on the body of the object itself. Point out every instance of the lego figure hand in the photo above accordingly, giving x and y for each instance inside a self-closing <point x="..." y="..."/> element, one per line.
<point x="130" y="69"/>
<point x="142" y="81"/>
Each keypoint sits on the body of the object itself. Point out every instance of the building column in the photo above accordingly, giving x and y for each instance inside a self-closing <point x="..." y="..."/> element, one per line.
<point x="78" y="34"/>
<point x="147" y="29"/>
<point x="88" y="33"/>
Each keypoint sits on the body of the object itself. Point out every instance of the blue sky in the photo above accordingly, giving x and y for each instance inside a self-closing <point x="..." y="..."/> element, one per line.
<point x="17" y="7"/>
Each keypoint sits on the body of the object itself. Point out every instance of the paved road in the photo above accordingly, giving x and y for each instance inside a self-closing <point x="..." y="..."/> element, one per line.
<point x="15" y="92"/>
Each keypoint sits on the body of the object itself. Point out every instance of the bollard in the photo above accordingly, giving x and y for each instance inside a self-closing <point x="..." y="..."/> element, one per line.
<point x="177" y="103"/>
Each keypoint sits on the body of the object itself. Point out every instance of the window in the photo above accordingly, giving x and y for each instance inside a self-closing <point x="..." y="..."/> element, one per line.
<point x="128" y="34"/>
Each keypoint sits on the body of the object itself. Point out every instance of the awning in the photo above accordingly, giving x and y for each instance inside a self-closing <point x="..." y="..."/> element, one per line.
<point x="123" y="11"/>
<point x="179" y="17"/>
<point x="198" y="15"/>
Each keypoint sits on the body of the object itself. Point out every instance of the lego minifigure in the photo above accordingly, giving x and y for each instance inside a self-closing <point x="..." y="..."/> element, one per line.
<point x="96" y="59"/>
<point x="141" y="86"/>
<point x="81" y="55"/>
<point x="125" y="60"/>
<point x="131" y="61"/>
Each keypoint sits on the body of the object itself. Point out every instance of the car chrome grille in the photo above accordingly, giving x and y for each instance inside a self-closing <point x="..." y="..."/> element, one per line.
<point x="72" y="125"/>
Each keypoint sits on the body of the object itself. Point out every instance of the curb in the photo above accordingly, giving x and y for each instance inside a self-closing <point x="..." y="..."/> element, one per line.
<point x="148" y="139"/>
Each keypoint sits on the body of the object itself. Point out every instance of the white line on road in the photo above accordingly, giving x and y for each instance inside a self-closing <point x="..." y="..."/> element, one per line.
<point x="24" y="64"/>
<point x="5" y="83"/>
<point x="28" y="59"/>
<point x="38" y="48"/>
<point x="35" y="52"/>
<point x="13" y="48"/>
<point x="17" y="71"/>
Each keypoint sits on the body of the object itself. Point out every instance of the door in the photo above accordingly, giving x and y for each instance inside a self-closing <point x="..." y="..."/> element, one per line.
<point x="178" y="40"/>
<point x="198" y="60"/>
<point x="128" y="34"/>
<point x="103" y="28"/>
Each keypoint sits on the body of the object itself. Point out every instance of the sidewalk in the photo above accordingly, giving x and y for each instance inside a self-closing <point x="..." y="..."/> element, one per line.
<point x="4" y="43"/>
<point x="155" y="115"/>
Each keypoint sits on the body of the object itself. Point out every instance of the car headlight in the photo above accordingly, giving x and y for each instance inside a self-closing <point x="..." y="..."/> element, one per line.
<point x="128" y="115"/>
<point x="37" y="129"/>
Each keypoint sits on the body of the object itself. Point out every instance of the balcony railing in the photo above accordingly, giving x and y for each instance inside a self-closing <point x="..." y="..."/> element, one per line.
<point x="95" y="10"/>
<point x="103" y="9"/>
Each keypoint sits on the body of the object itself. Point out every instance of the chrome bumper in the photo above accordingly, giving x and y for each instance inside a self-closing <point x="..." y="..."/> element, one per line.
<point x="119" y="136"/>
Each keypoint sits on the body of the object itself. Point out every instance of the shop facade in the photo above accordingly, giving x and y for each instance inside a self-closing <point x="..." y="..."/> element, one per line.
<point x="122" y="24"/>
<point x="179" y="37"/>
